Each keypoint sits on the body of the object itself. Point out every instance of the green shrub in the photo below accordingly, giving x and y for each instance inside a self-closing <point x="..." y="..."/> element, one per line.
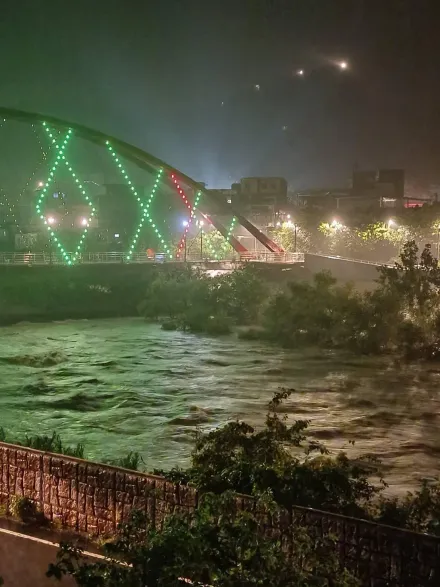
<point x="216" y="545"/>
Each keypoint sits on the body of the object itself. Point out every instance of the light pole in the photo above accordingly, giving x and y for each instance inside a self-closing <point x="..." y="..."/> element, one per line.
<point x="293" y="225"/>
<point x="201" y="239"/>
<point x="185" y="224"/>
<point x="50" y="221"/>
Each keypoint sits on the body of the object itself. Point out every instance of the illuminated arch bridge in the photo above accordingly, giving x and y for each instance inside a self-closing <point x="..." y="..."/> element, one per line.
<point x="55" y="139"/>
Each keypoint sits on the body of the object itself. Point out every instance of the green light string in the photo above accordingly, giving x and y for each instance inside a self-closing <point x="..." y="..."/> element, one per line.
<point x="53" y="236"/>
<point x="61" y="156"/>
<point x="225" y="244"/>
<point x="145" y="216"/>
<point x="230" y="230"/>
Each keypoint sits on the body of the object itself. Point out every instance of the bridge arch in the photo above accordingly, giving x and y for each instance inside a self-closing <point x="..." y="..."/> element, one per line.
<point x="146" y="161"/>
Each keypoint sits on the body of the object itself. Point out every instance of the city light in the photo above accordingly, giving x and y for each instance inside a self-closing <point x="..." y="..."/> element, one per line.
<point x="117" y="235"/>
<point x="336" y="224"/>
<point x="40" y="184"/>
<point x="84" y="222"/>
<point x="391" y="223"/>
<point x="201" y="223"/>
<point x="51" y="220"/>
<point x="300" y="72"/>
<point x="185" y="223"/>
<point x="343" y="65"/>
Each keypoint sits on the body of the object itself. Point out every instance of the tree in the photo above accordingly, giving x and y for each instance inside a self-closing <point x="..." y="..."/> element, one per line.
<point x="319" y="313"/>
<point x="280" y="459"/>
<point x="217" y="545"/>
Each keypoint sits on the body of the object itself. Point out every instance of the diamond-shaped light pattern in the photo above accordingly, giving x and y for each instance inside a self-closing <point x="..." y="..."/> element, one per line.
<point x="230" y="229"/>
<point x="145" y="208"/>
<point x="60" y="148"/>
<point x="43" y="194"/>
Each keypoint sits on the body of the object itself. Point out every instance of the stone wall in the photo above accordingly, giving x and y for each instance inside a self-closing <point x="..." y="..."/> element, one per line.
<point x="93" y="498"/>
<point x="85" y="496"/>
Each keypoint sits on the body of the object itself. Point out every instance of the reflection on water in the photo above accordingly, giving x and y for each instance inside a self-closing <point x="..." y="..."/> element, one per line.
<point x="121" y="385"/>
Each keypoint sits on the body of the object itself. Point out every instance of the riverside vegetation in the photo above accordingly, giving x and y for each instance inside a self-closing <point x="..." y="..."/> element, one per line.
<point x="281" y="467"/>
<point x="401" y="315"/>
<point x="278" y="464"/>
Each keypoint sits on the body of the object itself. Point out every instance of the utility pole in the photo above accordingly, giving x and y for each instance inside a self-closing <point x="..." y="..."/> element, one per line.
<point x="201" y="239"/>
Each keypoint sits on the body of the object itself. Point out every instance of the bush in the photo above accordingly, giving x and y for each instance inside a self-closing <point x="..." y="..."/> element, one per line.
<point x="191" y="301"/>
<point x="217" y="545"/>
<point x="131" y="461"/>
<point x="280" y="459"/>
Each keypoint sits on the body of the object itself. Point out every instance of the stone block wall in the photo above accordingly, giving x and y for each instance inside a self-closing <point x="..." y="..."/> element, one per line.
<point x="85" y="496"/>
<point x="93" y="498"/>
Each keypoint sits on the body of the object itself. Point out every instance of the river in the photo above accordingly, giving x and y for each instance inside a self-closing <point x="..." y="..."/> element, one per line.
<point x="121" y="385"/>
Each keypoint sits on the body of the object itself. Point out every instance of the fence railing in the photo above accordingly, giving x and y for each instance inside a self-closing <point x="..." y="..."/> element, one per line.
<point x="362" y="261"/>
<point x="118" y="257"/>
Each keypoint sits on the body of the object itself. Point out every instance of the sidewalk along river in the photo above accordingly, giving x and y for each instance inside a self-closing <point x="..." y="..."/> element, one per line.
<point x="122" y="385"/>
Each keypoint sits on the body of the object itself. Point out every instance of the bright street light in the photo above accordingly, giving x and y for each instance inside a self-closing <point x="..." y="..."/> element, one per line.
<point x="84" y="222"/>
<point x="391" y="223"/>
<point x="300" y="72"/>
<point x="201" y="223"/>
<point x="40" y="184"/>
<point x="51" y="220"/>
<point x="185" y="223"/>
<point x="343" y="65"/>
<point x="336" y="224"/>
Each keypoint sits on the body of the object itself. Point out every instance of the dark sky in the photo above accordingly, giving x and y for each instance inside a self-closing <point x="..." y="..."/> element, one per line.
<point x="156" y="73"/>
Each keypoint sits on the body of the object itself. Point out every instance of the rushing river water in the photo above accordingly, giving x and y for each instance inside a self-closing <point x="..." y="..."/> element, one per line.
<point x="121" y="385"/>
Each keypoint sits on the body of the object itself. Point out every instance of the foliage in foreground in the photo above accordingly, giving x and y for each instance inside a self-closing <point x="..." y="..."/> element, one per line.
<point x="215" y="546"/>
<point x="281" y="459"/>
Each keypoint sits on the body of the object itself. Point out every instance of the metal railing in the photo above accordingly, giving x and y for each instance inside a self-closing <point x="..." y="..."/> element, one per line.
<point x="266" y="257"/>
<point x="118" y="257"/>
<point x="363" y="261"/>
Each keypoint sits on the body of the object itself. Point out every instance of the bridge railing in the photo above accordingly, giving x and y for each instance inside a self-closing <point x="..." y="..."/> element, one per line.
<point x="267" y="257"/>
<point x="362" y="261"/>
<point x="115" y="257"/>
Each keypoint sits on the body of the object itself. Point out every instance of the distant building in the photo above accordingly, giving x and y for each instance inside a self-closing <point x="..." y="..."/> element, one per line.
<point x="259" y="198"/>
<point x="383" y="188"/>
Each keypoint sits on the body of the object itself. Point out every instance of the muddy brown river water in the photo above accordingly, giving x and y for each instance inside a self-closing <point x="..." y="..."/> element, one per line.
<point x="121" y="385"/>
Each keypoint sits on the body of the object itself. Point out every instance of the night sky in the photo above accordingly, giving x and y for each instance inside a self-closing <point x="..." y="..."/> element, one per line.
<point x="178" y="78"/>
